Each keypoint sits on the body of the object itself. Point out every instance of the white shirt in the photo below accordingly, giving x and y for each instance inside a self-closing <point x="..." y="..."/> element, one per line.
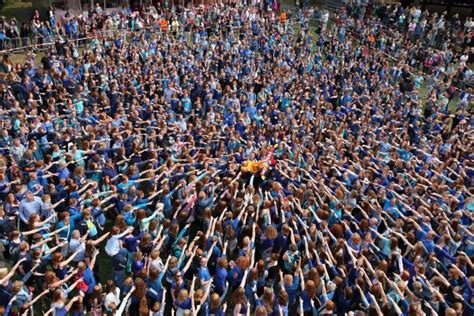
<point x="75" y="244"/>
<point x="113" y="244"/>
<point x="156" y="265"/>
<point x="112" y="298"/>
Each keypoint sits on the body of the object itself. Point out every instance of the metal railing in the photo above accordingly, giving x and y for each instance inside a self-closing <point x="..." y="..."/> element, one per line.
<point x="41" y="43"/>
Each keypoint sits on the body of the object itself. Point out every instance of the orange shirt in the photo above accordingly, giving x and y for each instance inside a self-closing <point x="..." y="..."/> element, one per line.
<point x="252" y="166"/>
<point x="283" y="17"/>
<point x="164" y="25"/>
<point x="371" y="39"/>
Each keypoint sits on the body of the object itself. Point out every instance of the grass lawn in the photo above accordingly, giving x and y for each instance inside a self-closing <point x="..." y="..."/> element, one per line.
<point x="20" y="10"/>
<point x="23" y="10"/>
<point x="105" y="262"/>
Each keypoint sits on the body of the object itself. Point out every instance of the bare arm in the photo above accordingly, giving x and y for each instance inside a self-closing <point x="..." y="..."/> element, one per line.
<point x="68" y="260"/>
<point x="100" y="239"/>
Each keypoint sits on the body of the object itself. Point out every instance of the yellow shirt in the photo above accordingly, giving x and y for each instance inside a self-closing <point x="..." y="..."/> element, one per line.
<point x="253" y="166"/>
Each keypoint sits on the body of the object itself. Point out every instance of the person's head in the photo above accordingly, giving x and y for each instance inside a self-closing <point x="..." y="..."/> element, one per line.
<point x="271" y="232"/>
<point x="330" y="305"/>
<point x="49" y="278"/>
<point x="141" y="214"/>
<point x="420" y="268"/>
<point x="110" y="286"/>
<point x="114" y="230"/>
<point x="430" y="235"/>
<point x="24" y="246"/>
<point x="173" y="262"/>
<point x="243" y="262"/>
<point x="138" y="256"/>
<point x="17" y="286"/>
<point x="453" y="274"/>
<point x="415" y="309"/>
<point x="310" y="287"/>
<point x="46" y="198"/>
<point x="356" y="239"/>
<point x="29" y="196"/>
<point x="260" y="310"/>
<point x="268" y="295"/>
<point x="81" y="267"/>
<point x="198" y="295"/>
<point x="459" y="307"/>
<point x="58" y="296"/>
<point x="154" y="254"/>
<point x="156" y="307"/>
<point x="34" y="218"/>
<point x="57" y="258"/>
<point x="222" y="262"/>
<point x="183" y="295"/>
<point x="140" y="287"/>
<point x="96" y="292"/>
<point x="86" y="214"/>
<point x="75" y="234"/>
<point x="283" y="298"/>
<point x="215" y="301"/>
<point x="288" y="278"/>
<point x="179" y="277"/>
<point x="238" y="297"/>
<point x="417" y="286"/>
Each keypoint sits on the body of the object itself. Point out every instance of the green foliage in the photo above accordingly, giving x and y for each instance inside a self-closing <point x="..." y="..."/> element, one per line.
<point x="42" y="6"/>
<point x="20" y="10"/>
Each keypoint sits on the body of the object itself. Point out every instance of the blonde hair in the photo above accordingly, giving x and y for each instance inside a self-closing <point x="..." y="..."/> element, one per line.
<point x="183" y="295"/>
<point x="16" y="287"/>
<point x="271" y="232"/>
<point x="154" y="254"/>
<point x="261" y="311"/>
<point x="173" y="262"/>
<point x="3" y="272"/>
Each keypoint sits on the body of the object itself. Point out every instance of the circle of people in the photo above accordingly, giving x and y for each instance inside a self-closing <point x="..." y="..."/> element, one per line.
<point x="246" y="164"/>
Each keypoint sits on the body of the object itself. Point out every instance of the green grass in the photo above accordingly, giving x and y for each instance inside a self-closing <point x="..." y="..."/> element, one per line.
<point x="22" y="11"/>
<point x="105" y="262"/>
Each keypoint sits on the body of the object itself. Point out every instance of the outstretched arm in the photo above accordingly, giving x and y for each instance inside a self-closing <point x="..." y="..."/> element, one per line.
<point x="124" y="302"/>
<point x="68" y="260"/>
<point x="100" y="239"/>
<point x="12" y="272"/>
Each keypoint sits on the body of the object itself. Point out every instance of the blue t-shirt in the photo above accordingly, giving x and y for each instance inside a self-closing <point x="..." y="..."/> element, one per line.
<point x="220" y="279"/>
<point x="123" y="187"/>
<point x="235" y="276"/>
<point x="306" y="301"/>
<point x="89" y="279"/>
<point x="184" y="305"/>
<point x="155" y="288"/>
<point x="292" y="289"/>
<point x="204" y="274"/>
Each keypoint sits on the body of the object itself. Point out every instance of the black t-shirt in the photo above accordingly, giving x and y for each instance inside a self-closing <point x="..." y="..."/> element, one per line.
<point x="46" y="63"/>
<point x="24" y="31"/>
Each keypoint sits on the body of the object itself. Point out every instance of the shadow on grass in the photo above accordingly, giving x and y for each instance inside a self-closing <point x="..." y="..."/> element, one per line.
<point x="18" y="9"/>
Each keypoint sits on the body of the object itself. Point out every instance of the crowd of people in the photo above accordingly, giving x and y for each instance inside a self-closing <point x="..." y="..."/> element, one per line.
<point x="236" y="160"/>
<point x="38" y="31"/>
